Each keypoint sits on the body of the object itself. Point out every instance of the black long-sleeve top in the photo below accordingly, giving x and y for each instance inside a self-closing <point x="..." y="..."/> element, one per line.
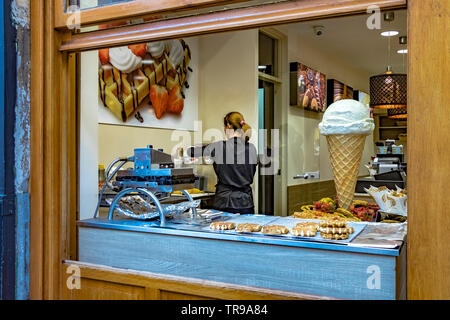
<point x="235" y="163"/>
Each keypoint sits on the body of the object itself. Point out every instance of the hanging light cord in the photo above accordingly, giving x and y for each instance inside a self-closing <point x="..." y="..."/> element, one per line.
<point x="389" y="54"/>
<point x="404" y="67"/>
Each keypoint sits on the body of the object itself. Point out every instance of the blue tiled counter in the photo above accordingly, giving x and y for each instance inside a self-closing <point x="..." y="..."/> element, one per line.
<point x="318" y="268"/>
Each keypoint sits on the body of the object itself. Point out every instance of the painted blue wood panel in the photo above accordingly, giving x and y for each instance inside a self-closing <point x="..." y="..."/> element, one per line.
<point x="332" y="273"/>
<point x="195" y="231"/>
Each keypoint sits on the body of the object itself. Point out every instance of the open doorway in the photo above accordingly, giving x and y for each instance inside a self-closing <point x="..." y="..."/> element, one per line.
<point x="267" y="65"/>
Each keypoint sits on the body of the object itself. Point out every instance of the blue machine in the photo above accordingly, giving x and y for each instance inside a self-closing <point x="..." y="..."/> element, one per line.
<point x="153" y="169"/>
<point x="153" y="175"/>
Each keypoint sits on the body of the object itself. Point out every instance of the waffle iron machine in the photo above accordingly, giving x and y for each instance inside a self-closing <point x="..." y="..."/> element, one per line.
<point x="152" y="176"/>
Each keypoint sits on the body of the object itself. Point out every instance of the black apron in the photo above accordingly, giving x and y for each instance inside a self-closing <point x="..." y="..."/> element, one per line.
<point x="235" y="163"/>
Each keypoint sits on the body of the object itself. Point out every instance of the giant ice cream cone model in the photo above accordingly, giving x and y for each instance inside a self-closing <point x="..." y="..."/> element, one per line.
<point x="345" y="157"/>
<point x="346" y="125"/>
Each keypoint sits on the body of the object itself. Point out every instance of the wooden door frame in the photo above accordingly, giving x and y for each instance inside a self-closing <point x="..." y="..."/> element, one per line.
<point x="53" y="131"/>
<point x="281" y="92"/>
<point x="428" y="157"/>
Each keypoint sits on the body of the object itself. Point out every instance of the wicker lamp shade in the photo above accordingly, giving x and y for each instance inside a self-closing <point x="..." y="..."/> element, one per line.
<point x="388" y="91"/>
<point x="398" y="113"/>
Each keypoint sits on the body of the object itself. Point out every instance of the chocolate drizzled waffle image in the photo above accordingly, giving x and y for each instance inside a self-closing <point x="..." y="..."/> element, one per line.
<point x="125" y="93"/>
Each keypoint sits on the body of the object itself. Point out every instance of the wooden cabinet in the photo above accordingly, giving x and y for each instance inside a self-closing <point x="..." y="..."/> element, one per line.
<point x="217" y="261"/>
<point x="107" y="283"/>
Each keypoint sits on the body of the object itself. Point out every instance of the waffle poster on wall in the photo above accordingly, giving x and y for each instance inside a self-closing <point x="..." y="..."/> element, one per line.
<point x="311" y="88"/>
<point x="150" y="85"/>
<point x="338" y="91"/>
<point x="364" y="98"/>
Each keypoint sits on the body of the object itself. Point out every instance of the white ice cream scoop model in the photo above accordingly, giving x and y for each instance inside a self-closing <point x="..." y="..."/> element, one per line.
<point x="347" y="117"/>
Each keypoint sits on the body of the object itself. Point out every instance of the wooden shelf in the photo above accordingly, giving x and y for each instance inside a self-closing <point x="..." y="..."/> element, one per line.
<point x="386" y="128"/>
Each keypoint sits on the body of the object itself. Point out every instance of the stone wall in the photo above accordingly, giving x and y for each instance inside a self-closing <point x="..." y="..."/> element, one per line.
<point x="20" y="17"/>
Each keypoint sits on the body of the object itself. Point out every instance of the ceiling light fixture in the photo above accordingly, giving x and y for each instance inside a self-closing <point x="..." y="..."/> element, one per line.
<point x="389" y="33"/>
<point x="402" y="51"/>
<point x="398" y="113"/>
<point x="403" y="40"/>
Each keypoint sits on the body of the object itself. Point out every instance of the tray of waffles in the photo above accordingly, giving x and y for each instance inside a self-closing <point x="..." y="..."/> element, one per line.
<point x="240" y="224"/>
<point x="318" y="230"/>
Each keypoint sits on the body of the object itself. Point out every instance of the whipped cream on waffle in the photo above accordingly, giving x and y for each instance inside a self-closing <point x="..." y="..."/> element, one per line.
<point x="156" y="49"/>
<point x="124" y="59"/>
<point x="176" y="52"/>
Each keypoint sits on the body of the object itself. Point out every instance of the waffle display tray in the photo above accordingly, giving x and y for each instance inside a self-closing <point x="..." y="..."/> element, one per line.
<point x="288" y="222"/>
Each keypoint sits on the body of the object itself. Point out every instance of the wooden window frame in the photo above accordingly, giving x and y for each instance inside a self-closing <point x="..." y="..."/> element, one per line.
<point x="236" y="19"/>
<point x="53" y="126"/>
<point x="132" y="9"/>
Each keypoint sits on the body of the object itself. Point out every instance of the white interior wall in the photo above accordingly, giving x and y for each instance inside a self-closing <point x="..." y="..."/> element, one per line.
<point x="307" y="149"/>
<point x="89" y="135"/>
<point x="228" y="82"/>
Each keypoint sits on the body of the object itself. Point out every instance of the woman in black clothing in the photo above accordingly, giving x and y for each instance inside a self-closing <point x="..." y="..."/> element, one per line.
<point x="235" y="162"/>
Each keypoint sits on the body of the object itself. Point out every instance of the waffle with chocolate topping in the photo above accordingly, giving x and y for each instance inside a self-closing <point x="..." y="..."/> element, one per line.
<point x="122" y="93"/>
<point x="125" y="93"/>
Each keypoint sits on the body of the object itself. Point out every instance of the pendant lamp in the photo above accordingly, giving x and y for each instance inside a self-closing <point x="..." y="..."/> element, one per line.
<point x="397" y="113"/>
<point x="400" y="113"/>
<point x="388" y="90"/>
